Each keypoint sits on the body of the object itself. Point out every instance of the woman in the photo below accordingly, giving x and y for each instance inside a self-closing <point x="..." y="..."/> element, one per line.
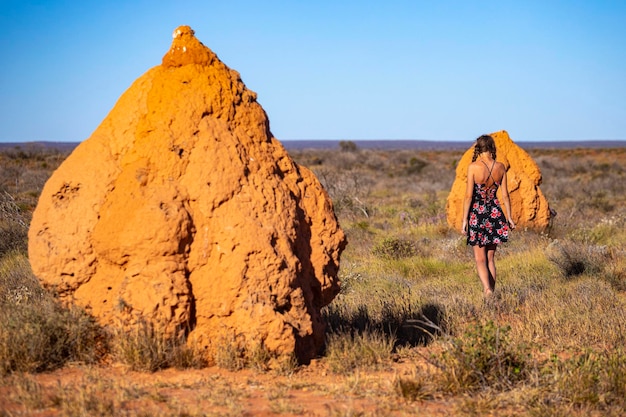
<point x="483" y="220"/>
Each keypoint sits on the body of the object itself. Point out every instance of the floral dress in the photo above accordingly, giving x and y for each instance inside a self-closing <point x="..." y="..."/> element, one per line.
<point x="487" y="224"/>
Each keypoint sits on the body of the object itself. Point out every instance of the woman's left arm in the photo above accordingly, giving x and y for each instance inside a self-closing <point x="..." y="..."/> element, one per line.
<point x="506" y="200"/>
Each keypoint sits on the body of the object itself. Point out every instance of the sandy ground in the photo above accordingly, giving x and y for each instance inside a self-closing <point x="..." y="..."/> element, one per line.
<point x="309" y="391"/>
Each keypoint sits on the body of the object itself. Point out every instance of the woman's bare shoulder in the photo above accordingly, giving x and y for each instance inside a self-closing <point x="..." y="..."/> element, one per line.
<point x="473" y="168"/>
<point x="499" y="171"/>
<point x="500" y="166"/>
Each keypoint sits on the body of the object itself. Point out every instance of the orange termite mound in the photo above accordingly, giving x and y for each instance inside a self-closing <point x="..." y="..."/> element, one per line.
<point x="183" y="211"/>
<point x="529" y="207"/>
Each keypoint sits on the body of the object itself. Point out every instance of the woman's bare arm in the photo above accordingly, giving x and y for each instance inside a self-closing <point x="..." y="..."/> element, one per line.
<point x="506" y="200"/>
<point x="469" y="190"/>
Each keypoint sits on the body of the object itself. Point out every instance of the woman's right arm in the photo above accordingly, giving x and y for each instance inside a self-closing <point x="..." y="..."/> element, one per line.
<point x="469" y="191"/>
<point x="506" y="200"/>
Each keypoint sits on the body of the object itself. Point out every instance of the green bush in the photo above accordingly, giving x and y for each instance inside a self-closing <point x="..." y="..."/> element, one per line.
<point x="483" y="358"/>
<point x="395" y="248"/>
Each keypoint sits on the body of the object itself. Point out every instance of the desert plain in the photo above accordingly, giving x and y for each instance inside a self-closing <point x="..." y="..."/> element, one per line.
<point x="409" y="332"/>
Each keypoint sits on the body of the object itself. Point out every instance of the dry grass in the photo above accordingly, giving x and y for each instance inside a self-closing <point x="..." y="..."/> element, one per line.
<point x="368" y="350"/>
<point x="144" y="348"/>
<point x="410" y="331"/>
<point x="36" y="333"/>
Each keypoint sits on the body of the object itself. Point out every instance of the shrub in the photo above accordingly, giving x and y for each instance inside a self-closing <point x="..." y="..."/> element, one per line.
<point x="13" y="227"/>
<point x="347" y="146"/>
<point x="591" y="379"/>
<point x="18" y="285"/>
<point x="415" y="166"/>
<point x="574" y="258"/>
<point x="36" y="333"/>
<point x="395" y="248"/>
<point x="44" y="336"/>
<point x="483" y="358"/>
<point x="348" y="189"/>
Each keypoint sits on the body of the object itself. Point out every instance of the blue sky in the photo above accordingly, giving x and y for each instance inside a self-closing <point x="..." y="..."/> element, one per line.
<point x="434" y="70"/>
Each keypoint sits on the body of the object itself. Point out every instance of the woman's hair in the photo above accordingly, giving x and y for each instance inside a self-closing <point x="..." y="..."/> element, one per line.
<point x="485" y="143"/>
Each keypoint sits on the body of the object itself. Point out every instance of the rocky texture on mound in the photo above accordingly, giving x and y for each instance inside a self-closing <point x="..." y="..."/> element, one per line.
<point x="182" y="210"/>
<point x="529" y="207"/>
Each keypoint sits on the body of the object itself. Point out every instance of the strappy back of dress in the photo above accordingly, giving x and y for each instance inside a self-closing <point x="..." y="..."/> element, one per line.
<point x="494" y="183"/>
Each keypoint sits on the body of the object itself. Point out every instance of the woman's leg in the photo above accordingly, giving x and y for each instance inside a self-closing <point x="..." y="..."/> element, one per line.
<point x="480" y="256"/>
<point x="491" y="265"/>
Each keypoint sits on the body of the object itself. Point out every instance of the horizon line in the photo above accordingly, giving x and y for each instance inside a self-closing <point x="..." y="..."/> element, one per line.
<point x="350" y="140"/>
<point x="374" y="144"/>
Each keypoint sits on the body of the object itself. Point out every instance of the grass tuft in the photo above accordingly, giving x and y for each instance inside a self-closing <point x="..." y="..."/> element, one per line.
<point x="145" y="348"/>
<point x="414" y="388"/>
<point x="347" y="353"/>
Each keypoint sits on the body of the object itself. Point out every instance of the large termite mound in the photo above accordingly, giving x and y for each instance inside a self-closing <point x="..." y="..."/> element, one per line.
<point x="529" y="207"/>
<point x="183" y="211"/>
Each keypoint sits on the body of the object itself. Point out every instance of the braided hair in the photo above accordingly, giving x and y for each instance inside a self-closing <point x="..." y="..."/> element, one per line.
<point x="484" y="143"/>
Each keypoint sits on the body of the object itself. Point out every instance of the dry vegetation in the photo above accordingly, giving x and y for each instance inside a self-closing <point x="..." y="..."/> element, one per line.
<point x="409" y="332"/>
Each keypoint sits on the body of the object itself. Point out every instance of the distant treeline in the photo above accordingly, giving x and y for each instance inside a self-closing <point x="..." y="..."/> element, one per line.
<point x="35" y="146"/>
